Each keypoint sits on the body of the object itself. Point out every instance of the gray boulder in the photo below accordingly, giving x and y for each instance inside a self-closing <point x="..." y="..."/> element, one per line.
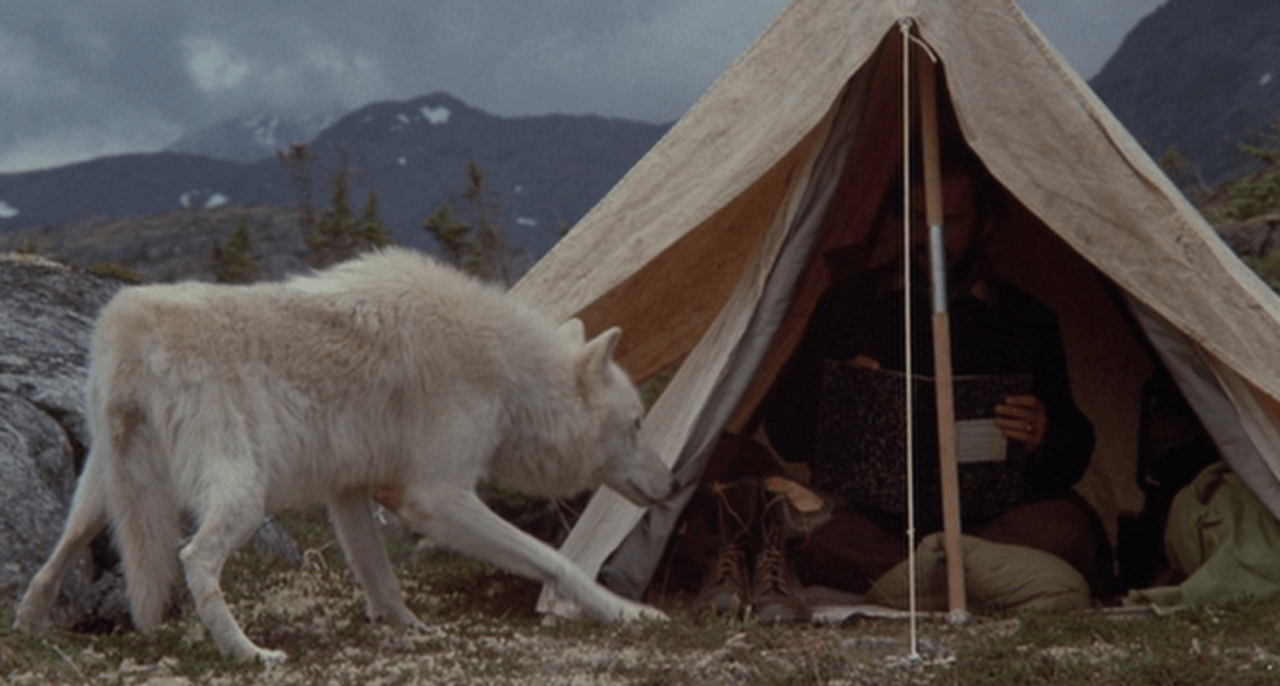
<point x="46" y="316"/>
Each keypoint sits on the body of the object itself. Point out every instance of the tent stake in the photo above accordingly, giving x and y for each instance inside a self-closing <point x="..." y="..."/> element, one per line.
<point x="941" y="342"/>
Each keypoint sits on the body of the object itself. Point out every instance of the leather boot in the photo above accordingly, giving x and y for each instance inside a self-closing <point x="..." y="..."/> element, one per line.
<point x="776" y="592"/>
<point x="726" y="586"/>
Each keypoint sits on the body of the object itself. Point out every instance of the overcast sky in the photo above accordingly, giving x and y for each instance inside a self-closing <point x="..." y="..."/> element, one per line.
<point x="83" y="78"/>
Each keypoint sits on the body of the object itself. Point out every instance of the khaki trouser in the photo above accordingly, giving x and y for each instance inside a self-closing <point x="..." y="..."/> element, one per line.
<point x="852" y="550"/>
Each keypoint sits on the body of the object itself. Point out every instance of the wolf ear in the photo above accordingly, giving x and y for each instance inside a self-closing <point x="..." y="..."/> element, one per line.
<point x="592" y="361"/>
<point x="573" y="331"/>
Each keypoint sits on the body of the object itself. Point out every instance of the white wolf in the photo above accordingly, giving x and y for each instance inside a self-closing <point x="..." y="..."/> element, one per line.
<point x="389" y="374"/>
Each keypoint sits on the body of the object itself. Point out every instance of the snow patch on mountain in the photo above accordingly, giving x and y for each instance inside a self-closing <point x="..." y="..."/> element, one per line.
<point x="252" y="137"/>
<point x="264" y="130"/>
<point x="203" y="198"/>
<point x="7" y="211"/>
<point x="436" y="115"/>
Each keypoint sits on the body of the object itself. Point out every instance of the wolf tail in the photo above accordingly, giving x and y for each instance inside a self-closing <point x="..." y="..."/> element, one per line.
<point x="146" y="518"/>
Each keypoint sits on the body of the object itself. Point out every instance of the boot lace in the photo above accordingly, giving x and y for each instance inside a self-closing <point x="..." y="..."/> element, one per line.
<point x="730" y="564"/>
<point x="772" y="571"/>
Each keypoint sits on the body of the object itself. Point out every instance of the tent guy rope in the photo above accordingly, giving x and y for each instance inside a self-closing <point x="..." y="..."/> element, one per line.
<point x="913" y="594"/>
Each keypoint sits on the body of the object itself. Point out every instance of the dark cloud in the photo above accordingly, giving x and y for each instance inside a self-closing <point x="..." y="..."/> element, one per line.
<point x="80" y="78"/>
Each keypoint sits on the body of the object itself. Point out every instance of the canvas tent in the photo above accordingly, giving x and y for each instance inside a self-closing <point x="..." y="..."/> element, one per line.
<point x="709" y="252"/>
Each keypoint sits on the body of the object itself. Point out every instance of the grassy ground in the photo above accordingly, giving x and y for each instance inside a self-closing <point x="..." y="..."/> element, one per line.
<point x="484" y="631"/>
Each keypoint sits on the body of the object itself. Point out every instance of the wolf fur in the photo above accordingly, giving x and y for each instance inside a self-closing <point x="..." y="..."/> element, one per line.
<point x="390" y="374"/>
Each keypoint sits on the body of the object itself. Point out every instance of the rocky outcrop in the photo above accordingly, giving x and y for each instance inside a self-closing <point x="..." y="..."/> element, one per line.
<point x="46" y="316"/>
<point x="173" y="246"/>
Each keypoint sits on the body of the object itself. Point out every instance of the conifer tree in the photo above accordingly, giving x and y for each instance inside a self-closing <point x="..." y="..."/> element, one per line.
<point x="339" y="233"/>
<point x="236" y="262"/>
<point x="480" y="245"/>
<point x="296" y="159"/>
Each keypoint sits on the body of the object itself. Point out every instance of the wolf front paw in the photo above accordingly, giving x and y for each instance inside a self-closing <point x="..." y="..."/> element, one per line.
<point x="270" y="657"/>
<point x="250" y="652"/>
<point x="411" y="623"/>
<point x="635" y="611"/>
<point x="398" y="616"/>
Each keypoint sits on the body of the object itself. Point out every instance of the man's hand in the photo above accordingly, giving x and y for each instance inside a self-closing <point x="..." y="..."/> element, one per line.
<point x="862" y="361"/>
<point x="1022" y="418"/>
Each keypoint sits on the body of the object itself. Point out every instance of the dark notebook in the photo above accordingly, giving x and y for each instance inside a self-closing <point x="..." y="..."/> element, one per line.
<point x="861" y="443"/>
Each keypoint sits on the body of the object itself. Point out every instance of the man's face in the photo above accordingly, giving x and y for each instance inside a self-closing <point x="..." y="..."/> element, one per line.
<point x="959" y="220"/>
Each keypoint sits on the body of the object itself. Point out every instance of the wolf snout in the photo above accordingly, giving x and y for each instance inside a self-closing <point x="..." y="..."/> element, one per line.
<point x="665" y="491"/>
<point x="650" y="491"/>
<point x="645" y="483"/>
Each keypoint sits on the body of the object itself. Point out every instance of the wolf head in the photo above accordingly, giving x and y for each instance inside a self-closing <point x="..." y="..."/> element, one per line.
<point x="629" y="465"/>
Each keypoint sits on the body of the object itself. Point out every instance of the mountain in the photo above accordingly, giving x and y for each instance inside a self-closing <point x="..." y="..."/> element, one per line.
<point x="249" y="138"/>
<point x="134" y="185"/>
<point x="1201" y="77"/>
<point x="547" y="171"/>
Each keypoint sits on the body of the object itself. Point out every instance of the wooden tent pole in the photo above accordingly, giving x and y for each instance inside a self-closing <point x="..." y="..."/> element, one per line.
<point x="927" y="80"/>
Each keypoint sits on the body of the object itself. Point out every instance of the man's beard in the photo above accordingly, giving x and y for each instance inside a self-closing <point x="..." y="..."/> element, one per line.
<point x="962" y="273"/>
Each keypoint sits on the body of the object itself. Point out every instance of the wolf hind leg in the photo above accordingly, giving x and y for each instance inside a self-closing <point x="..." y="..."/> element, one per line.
<point x="366" y="554"/>
<point x="458" y="519"/>
<point x="228" y="519"/>
<point x="87" y="518"/>
<point x="147" y="530"/>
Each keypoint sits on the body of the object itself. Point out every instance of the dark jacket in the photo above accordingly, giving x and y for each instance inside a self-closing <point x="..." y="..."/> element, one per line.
<point x="1006" y="332"/>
